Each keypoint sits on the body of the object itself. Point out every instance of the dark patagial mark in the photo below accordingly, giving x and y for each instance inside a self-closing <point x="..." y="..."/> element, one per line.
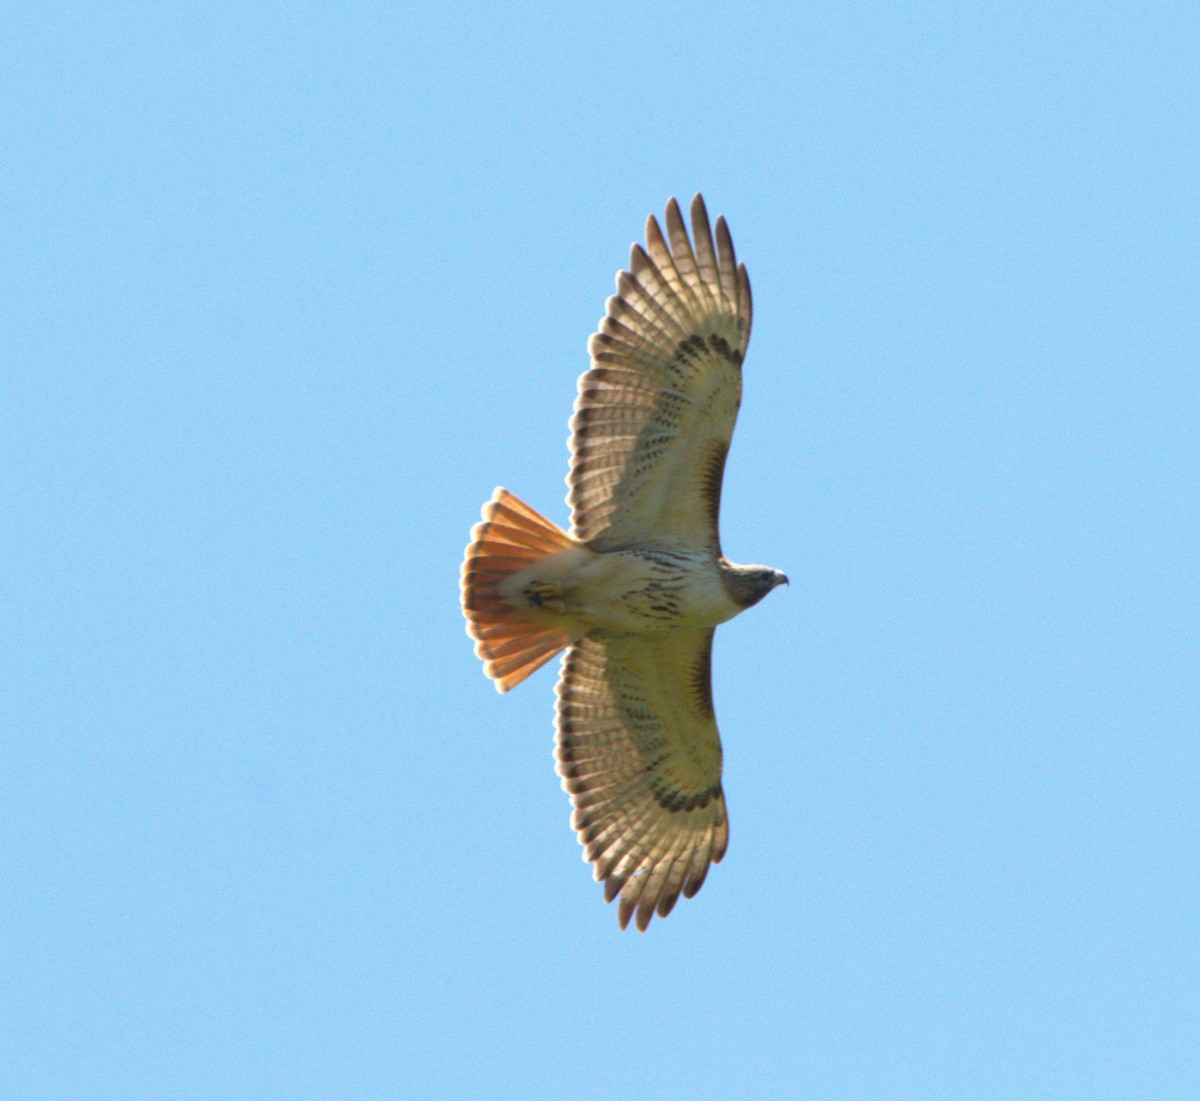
<point x="701" y="680"/>
<point x="712" y="475"/>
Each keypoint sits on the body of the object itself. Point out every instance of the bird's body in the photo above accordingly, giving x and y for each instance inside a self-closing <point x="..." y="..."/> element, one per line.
<point x="637" y="588"/>
<point x="641" y="590"/>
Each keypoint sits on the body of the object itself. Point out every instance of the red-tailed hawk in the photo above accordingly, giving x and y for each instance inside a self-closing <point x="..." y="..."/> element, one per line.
<point x="635" y="592"/>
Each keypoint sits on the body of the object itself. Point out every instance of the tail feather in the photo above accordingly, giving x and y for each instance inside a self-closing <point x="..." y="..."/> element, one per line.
<point x="511" y="537"/>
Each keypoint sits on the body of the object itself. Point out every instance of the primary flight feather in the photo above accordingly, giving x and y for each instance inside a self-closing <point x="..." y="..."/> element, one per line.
<point x="634" y="593"/>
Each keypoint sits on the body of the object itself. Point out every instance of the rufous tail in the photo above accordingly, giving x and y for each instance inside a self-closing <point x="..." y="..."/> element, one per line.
<point x="511" y="537"/>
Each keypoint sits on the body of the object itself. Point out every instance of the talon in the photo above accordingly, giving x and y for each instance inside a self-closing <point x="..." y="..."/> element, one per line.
<point x="545" y="594"/>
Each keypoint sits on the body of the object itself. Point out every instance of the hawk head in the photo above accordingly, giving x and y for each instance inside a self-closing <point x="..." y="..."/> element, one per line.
<point x="749" y="584"/>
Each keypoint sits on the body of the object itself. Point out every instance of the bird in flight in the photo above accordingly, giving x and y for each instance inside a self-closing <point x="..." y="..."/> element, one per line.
<point x="635" y="591"/>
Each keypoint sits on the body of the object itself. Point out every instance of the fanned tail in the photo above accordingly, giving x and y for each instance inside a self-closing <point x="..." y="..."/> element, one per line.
<point x="511" y="537"/>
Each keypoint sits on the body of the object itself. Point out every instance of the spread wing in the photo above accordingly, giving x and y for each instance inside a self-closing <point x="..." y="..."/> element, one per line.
<point x="638" y="750"/>
<point x="655" y="413"/>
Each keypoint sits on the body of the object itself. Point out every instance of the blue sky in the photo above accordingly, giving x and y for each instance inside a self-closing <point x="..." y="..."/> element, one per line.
<point x="287" y="289"/>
